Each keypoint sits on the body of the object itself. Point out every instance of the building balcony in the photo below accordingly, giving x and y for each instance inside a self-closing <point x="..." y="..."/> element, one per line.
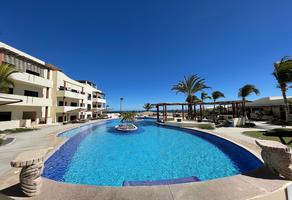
<point x="66" y="109"/>
<point x="20" y="100"/>
<point x="97" y="109"/>
<point x="70" y="94"/>
<point x="99" y="100"/>
<point x="31" y="79"/>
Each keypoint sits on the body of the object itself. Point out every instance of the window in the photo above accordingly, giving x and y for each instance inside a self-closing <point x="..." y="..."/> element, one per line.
<point x="29" y="115"/>
<point x="31" y="93"/>
<point x="32" y="72"/>
<point x="88" y="116"/>
<point x="10" y="91"/>
<point x="60" y="119"/>
<point x="88" y="106"/>
<point x="61" y="103"/>
<point x="89" y="97"/>
<point x="74" y="104"/>
<point x="73" y="117"/>
<point x="5" y="116"/>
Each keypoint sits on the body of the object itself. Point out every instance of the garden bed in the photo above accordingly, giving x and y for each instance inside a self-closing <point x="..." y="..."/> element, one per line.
<point x="282" y="135"/>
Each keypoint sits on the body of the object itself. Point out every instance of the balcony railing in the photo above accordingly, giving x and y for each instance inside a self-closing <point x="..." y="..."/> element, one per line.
<point x="64" y="109"/>
<point x="31" y="79"/>
<point x="99" y="100"/>
<point x="27" y="100"/>
<point x="71" y="94"/>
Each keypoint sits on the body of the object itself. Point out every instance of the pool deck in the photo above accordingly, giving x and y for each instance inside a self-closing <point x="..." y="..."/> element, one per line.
<point x="259" y="184"/>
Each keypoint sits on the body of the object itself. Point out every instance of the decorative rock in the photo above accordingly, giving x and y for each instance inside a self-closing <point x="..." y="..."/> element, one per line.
<point x="32" y="163"/>
<point x="277" y="157"/>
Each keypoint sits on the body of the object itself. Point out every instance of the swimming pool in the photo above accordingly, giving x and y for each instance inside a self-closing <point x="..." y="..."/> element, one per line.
<point x="97" y="154"/>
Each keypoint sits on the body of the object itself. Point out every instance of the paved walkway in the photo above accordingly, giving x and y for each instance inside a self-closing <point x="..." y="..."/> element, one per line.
<point x="240" y="187"/>
<point x="45" y="137"/>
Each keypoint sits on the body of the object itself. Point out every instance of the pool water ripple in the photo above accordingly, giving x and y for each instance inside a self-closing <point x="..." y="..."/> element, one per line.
<point x="98" y="155"/>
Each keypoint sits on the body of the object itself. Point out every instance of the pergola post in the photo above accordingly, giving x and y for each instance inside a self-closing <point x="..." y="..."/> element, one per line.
<point x="237" y="110"/>
<point x="183" y="112"/>
<point x="201" y="112"/>
<point x="165" y="113"/>
<point x="233" y="110"/>
<point x="157" y="113"/>
<point x="195" y="112"/>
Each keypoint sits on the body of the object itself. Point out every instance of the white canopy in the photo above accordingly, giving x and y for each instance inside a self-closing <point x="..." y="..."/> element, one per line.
<point x="268" y="101"/>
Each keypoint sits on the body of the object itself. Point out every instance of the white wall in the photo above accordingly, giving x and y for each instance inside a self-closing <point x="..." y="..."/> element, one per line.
<point x="17" y="111"/>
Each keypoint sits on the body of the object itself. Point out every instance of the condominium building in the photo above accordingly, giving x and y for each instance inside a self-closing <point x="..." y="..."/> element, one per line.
<point x="43" y="94"/>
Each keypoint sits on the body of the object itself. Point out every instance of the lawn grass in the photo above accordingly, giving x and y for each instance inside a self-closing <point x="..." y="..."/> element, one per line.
<point x="17" y="130"/>
<point x="282" y="135"/>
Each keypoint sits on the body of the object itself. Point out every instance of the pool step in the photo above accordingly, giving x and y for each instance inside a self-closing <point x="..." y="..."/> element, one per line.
<point x="161" y="182"/>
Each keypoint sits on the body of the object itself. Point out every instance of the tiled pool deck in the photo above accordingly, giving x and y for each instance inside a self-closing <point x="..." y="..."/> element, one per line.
<point x="259" y="184"/>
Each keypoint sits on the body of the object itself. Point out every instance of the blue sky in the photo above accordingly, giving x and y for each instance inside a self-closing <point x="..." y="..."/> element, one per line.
<point x="137" y="49"/>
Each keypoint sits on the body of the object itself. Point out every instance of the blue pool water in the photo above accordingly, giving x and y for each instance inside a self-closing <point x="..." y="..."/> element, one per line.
<point x="99" y="155"/>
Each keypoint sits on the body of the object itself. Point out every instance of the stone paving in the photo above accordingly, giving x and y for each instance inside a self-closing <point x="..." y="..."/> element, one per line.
<point x="31" y="140"/>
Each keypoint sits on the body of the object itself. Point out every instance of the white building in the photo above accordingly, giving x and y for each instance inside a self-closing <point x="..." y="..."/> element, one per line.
<point x="44" y="94"/>
<point x="268" y="108"/>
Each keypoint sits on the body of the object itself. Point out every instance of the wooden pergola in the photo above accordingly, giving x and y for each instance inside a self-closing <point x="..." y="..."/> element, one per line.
<point x="236" y="107"/>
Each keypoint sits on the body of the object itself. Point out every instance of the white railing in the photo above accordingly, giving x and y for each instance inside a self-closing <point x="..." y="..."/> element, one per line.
<point x="61" y="109"/>
<point x="74" y="95"/>
<point x="99" y="100"/>
<point x="27" y="100"/>
<point x="32" y="79"/>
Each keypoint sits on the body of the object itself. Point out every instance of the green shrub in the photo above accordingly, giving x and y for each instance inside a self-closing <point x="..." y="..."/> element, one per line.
<point x="206" y="126"/>
<point x="18" y="130"/>
<point x="248" y="125"/>
<point x="282" y="130"/>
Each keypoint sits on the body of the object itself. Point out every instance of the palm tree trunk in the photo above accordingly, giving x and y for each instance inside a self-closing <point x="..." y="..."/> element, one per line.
<point x="287" y="109"/>
<point x="201" y="112"/>
<point x="190" y="111"/>
<point x="214" y="111"/>
<point x="243" y="107"/>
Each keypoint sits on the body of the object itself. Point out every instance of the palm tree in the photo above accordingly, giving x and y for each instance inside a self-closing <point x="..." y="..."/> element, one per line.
<point x="246" y="91"/>
<point x="190" y="85"/>
<point x="147" y="106"/>
<point x="204" y="96"/>
<point x="216" y="95"/>
<point x="283" y="74"/>
<point x="5" y="81"/>
<point x="128" y="117"/>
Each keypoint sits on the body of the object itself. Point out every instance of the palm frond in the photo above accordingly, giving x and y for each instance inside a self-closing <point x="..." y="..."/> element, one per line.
<point x="190" y="85"/>
<point x="248" y="90"/>
<point x="5" y="72"/>
<point x="217" y="94"/>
